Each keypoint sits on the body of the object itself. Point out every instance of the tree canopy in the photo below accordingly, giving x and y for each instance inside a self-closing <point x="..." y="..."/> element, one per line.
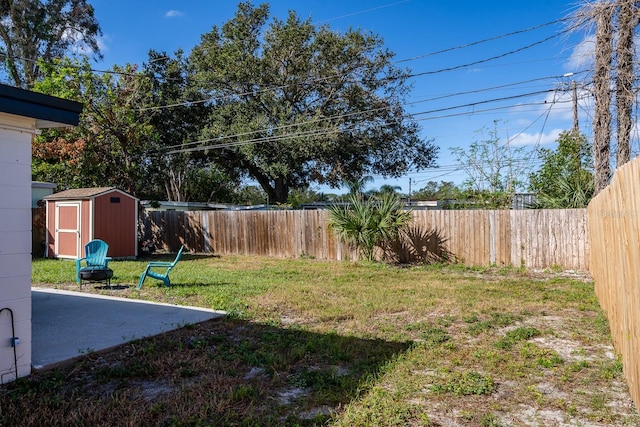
<point x="283" y="103"/>
<point x="494" y="170"/>
<point x="437" y="191"/>
<point x="181" y="176"/>
<point x="565" y="179"/>
<point x="32" y="30"/>
<point x="293" y="104"/>
<point x="110" y="145"/>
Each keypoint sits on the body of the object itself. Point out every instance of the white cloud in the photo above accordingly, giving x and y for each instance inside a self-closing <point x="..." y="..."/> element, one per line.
<point x="102" y="43"/>
<point x="173" y="14"/>
<point x="536" y="138"/>
<point x="583" y="54"/>
<point x="79" y="47"/>
<point x="560" y="104"/>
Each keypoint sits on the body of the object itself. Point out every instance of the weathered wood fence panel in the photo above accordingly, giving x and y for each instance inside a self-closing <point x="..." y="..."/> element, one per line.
<point x="285" y="233"/>
<point x="529" y="238"/>
<point x="38" y="231"/>
<point x="614" y="229"/>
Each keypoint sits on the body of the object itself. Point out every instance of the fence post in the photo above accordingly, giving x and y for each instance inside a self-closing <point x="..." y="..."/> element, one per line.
<point x="492" y="237"/>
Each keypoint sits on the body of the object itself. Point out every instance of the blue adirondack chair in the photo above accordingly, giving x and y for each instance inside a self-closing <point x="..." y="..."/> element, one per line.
<point x="166" y="268"/>
<point x="96" y="262"/>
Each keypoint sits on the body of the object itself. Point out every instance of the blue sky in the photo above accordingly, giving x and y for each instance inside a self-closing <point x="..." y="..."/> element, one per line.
<point x="454" y="97"/>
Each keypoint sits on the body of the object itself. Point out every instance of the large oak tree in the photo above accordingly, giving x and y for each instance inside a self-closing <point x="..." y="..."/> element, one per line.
<point x="184" y="176"/>
<point x="293" y="104"/>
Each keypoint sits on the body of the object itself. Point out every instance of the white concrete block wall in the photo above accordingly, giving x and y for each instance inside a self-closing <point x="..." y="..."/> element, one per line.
<point x="15" y="245"/>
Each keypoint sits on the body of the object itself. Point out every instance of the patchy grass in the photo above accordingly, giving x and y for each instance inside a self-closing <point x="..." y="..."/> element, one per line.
<point x="310" y="343"/>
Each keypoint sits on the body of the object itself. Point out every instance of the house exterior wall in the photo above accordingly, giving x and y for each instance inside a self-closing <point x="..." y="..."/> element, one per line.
<point x="15" y="245"/>
<point x="115" y="222"/>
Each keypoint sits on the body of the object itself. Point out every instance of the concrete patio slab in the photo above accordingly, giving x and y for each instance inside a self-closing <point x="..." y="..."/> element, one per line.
<point x="66" y="325"/>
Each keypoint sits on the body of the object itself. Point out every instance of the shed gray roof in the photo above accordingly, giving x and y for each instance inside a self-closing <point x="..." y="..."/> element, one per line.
<point x="81" y="193"/>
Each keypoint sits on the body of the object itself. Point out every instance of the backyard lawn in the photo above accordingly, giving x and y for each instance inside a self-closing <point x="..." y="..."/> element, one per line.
<point x="310" y="342"/>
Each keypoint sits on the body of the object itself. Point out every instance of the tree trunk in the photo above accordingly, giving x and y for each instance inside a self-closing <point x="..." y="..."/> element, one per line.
<point x="175" y="186"/>
<point x="281" y="190"/>
<point x="601" y="80"/>
<point x="627" y="22"/>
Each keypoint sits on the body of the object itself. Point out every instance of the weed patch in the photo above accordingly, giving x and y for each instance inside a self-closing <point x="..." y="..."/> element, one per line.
<point x="515" y="336"/>
<point x="464" y="384"/>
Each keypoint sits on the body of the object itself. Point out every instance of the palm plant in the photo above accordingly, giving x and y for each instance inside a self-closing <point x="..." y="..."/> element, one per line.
<point x="574" y="192"/>
<point x="356" y="186"/>
<point x="365" y="225"/>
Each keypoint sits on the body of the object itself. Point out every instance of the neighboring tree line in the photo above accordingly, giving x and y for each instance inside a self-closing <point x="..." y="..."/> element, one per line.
<point x="496" y="171"/>
<point x="283" y="103"/>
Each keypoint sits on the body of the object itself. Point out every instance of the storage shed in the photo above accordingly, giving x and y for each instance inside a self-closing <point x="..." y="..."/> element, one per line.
<point x="22" y="114"/>
<point x="76" y="216"/>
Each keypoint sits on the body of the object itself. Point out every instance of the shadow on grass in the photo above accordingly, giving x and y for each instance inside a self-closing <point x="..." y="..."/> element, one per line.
<point x="211" y="284"/>
<point x="113" y="287"/>
<point x="218" y="372"/>
<point x="170" y="256"/>
<point x="418" y="244"/>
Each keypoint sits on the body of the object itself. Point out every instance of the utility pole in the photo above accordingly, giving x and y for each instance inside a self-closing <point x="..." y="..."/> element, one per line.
<point x="576" y="129"/>
<point x="574" y="90"/>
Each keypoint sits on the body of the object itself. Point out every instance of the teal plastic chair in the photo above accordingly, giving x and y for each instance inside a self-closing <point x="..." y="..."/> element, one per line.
<point x="166" y="268"/>
<point x="95" y="258"/>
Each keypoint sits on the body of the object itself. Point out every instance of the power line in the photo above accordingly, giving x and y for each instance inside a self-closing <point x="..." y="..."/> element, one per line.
<point x="341" y="116"/>
<point x="410" y="75"/>
<point x="321" y="132"/>
<point x="186" y="103"/>
<point x="492" y="58"/>
<point x="450" y="169"/>
<point x="362" y="11"/>
<point x="486" y="101"/>
<point x="311" y="133"/>
<point x="546" y="113"/>
<point x="503" y="86"/>
<point x="463" y="46"/>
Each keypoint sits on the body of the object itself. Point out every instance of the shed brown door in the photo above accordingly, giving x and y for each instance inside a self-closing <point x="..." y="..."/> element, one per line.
<point x="68" y="230"/>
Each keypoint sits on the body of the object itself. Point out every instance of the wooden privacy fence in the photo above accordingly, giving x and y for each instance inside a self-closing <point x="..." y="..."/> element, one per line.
<point x="38" y="231"/>
<point x="614" y="229"/>
<point x="529" y="238"/>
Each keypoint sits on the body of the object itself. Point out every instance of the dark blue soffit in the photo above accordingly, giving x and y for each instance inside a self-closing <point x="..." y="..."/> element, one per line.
<point x="25" y="103"/>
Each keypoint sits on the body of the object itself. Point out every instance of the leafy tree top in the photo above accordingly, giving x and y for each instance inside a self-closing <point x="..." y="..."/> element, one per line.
<point x="32" y="30"/>
<point x="565" y="179"/>
<point x="294" y="104"/>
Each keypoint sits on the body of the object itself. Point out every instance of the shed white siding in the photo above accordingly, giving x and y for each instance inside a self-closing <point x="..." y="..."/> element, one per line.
<point x="15" y="244"/>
